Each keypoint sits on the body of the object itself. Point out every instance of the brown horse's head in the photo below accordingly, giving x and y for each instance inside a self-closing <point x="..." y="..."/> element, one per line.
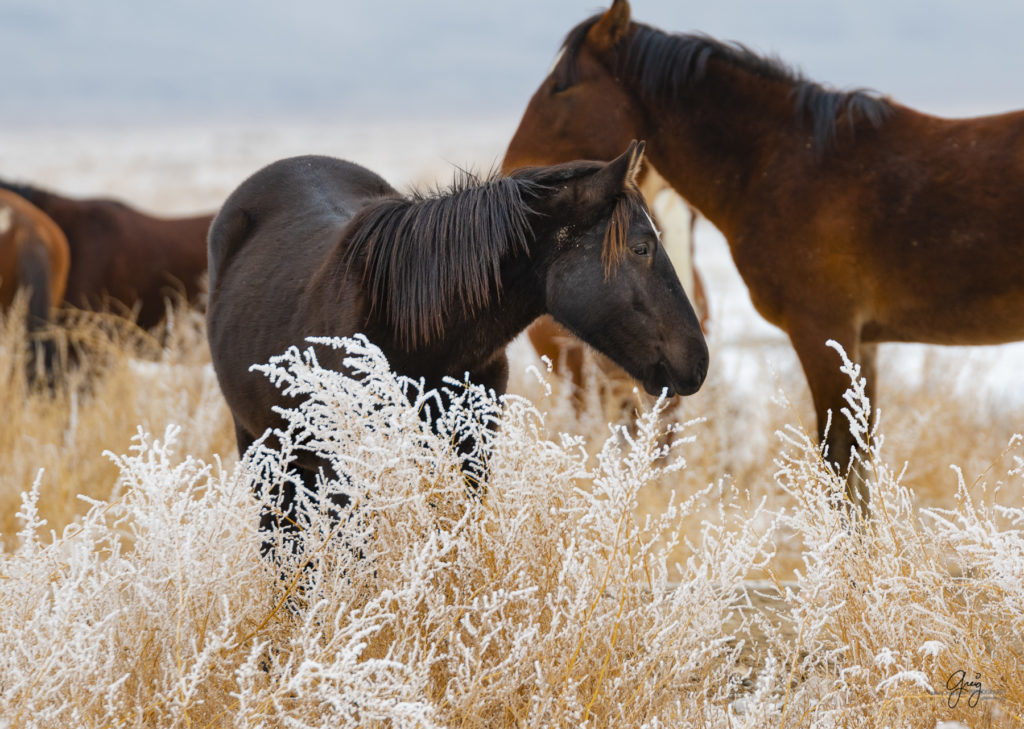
<point x="607" y="277"/>
<point x="580" y="111"/>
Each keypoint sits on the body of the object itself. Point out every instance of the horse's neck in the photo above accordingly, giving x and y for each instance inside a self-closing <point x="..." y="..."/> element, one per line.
<point x="713" y="141"/>
<point x="519" y="301"/>
<point x="469" y="338"/>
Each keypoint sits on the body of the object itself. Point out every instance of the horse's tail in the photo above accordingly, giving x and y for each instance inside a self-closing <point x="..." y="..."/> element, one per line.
<point x="227" y="231"/>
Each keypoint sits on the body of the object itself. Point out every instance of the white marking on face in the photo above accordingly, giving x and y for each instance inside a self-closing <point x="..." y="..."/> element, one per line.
<point x="5" y="219"/>
<point x="554" y="64"/>
<point x="657" y="233"/>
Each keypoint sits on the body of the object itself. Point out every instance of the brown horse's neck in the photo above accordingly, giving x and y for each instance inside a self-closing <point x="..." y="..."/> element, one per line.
<point x="715" y="142"/>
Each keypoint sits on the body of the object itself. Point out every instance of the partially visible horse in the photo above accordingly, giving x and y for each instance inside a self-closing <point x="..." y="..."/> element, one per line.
<point x="123" y="259"/>
<point x="849" y="216"/>
<point x="442" y="282"/>
<point x="33" y="255"/>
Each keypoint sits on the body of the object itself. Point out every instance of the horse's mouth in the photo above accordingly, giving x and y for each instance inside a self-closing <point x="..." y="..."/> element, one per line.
<point x="658" y="381"/>
<point x="662" y="377"/>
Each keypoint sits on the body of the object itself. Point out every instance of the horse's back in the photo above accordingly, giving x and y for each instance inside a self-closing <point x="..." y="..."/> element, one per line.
<point x="268" y="243"/>
<point x="291" y="196"/>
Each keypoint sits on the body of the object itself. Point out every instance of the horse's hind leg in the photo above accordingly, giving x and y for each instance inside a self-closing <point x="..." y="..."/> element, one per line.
<point x="34" y="273"/>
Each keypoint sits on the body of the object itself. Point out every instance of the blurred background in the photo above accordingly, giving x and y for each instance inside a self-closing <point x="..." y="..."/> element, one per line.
<point x="170" y="105"/>
<point x="66" y="62"/>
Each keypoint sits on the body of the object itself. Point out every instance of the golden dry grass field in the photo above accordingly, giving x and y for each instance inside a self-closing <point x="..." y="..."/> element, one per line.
<point x="600" y="583"/>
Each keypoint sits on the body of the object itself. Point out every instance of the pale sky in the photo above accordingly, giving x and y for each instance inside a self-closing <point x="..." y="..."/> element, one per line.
<point x="68" y="61"/>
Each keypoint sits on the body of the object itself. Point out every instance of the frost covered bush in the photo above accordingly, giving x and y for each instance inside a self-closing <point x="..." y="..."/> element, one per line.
<point x="547" y="598"/>
<point x="545" y="602"/>
<point x="912" y="617"/>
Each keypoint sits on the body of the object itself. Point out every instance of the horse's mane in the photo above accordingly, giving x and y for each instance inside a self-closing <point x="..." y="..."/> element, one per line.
<point x="41" y="197"/>
<point x="428" y="254"/>
<point x="660" y="64"/>
<point x="33" y="194"/>
<point x="432" y="254"/>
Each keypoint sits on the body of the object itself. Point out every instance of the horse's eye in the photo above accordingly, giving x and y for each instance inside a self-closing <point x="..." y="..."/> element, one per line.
<point x="559" y="85"/>
<point x="641" y="249"/>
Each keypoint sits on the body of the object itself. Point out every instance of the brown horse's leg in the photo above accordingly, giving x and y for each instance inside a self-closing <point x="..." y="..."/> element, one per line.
<point x="857" y="480"/>
<point x="279" y="523"/>
<point x="550" y="339"/>
<point x="700" y="302"/>
<point x="473" y="456"/>
<point x="828" y="384"/>
<point x="34" y="273"/>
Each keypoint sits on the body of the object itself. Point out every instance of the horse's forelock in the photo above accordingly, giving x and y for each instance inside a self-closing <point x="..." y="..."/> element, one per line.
<point x="629" y="204"/>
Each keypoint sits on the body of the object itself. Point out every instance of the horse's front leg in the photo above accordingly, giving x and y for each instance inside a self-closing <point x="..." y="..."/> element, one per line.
<point x="493" y="375"/>
<point x="828" y="386"/>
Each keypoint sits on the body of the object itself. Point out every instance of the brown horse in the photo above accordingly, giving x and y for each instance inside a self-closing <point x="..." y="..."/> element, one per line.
<point x="123" y="259"/>
<point x="33" y="255"/>
<point x="441" y="283"/>
<point x="849" y="216"/>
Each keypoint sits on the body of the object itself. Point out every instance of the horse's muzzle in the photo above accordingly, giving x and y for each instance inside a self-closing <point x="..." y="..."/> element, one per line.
<point x="685" y="381"/>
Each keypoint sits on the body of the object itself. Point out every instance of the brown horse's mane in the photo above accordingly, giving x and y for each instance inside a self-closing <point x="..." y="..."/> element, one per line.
<point x="660" y="65"/>
<point x="431" y="254"/>
<point x="40" y="197"/>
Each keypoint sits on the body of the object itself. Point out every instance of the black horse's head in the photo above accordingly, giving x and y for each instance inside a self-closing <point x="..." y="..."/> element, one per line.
<point x="608" y="278"/>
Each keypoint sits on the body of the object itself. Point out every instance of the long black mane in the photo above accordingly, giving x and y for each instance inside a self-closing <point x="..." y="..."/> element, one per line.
<point x="660" y="65"/>
<point x="427" y="255"/>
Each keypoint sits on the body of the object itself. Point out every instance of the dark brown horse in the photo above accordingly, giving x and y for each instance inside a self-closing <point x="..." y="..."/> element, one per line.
<point x="33" y="255"/>
<point x="676" y="219"/>
<point x="441" y="283"/>
<point x="123" y="259"/>
<point x="849" y="216"/>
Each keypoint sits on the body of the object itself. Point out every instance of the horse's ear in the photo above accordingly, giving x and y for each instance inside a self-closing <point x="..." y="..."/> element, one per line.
<point x="626" y="166"/>
<point x="619" y="175"/>
<point x="610" y="27"/>
<point x="636" y="159"/>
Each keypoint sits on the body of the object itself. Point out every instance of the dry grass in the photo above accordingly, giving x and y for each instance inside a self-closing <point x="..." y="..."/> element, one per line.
<point x="601" y="582"/>
<point x="125" y="379"/>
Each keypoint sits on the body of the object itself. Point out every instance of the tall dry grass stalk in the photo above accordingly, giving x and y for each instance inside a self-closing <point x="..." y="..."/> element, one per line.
<point x="556" y="599"/>
<point x="124" y="378"/>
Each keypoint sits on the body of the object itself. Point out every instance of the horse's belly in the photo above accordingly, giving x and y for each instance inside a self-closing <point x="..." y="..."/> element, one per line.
<point x="987" y="320"/>
<point x="8" y="272"/>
